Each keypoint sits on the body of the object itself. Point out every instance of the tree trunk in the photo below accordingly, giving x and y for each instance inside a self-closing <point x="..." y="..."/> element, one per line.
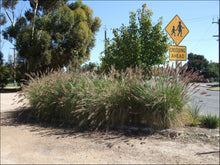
<point x="35" y="13"/>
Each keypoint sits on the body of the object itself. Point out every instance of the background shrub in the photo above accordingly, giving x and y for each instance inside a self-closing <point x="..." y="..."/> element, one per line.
<point x="4" y="75"/>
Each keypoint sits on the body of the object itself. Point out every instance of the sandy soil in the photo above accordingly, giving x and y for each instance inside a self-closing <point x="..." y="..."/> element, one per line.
<point x="35" y="144"/>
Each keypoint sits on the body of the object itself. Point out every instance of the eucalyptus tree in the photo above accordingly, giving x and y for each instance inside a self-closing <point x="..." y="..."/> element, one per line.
<point x="54" y="34"/>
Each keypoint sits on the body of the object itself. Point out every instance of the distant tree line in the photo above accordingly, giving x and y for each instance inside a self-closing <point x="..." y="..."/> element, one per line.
<point x="206" y="68"/>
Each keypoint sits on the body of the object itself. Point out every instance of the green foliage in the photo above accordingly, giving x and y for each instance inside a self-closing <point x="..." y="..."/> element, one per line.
<point x="197" y="62"/>
<point x="200" y="63"/>
<point x="45" y="7"/>
<point x="10" y="33"/>
<point x="1" y="57"/>
<point x="37" y="51"/>
<point x="141" y="43"/>
<point x="193" y="117"/>
<point x="20" y="70"/>
<point x="214" y="89"/>
<point x="111" y="100"/>
<point x="91" y="66"/>
<point x="210" y="121"/>
<point x="5" y="71"/>
<point x="10" y="69"/>
<point x="9" y="4"/>
<point x="212" y="70"/>
<point x="61" y="36"/>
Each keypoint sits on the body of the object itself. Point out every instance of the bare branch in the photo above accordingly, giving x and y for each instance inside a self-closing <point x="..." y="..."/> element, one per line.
<point x="8" y="15"/>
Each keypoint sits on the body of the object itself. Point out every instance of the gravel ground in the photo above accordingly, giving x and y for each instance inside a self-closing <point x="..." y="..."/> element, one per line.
<point x="35" y="144"/>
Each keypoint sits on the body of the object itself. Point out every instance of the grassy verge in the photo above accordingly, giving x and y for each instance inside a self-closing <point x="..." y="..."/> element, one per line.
<point x="12" y="85"/>
<point x="193" y="118"/>
<point x="214" y="89"/>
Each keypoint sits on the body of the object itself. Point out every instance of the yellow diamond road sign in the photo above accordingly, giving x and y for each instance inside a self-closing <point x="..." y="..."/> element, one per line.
<point x="177" y="30"/>
<point x="177" y="53"/>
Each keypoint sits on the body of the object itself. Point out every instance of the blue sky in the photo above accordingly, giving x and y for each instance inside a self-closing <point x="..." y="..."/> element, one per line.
<point x="196" y="15"/>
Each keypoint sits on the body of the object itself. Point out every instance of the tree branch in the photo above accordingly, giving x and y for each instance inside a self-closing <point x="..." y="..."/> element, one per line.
<point x="8" y="15"/>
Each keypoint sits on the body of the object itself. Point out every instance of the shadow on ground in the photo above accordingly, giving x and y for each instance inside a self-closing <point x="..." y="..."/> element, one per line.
<point x="24" y="117"/>
<point x="9" y="90"/>
<point x="25" y="121"/>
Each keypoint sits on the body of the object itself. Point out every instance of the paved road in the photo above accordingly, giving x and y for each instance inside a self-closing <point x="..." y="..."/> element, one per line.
<point x="209" y="104"/>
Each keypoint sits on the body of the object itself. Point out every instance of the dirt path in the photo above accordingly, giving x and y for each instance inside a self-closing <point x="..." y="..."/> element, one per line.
<point x="31" y="143"/>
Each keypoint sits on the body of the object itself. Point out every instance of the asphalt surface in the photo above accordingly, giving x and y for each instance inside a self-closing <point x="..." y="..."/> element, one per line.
<point x="208" y="104"/>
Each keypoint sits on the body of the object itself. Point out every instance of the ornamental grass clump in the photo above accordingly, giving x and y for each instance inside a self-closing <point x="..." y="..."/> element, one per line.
<point x="193" y="115"/>
<point x="111" y="103"/>
<point x="210" y="121"/>
<point x="170" y="91"/>
<point x="92" y="100"/>
<point x="53" y="95"/>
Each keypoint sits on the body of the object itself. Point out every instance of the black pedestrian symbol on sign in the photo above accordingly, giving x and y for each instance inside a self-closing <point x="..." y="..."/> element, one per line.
<point x="179" y="28"/>
<point x="173" y="31"/>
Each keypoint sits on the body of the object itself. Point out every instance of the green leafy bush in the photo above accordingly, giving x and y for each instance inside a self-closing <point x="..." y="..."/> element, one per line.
<point x="114" y="99"/>
<point x="4" y="75"/>
<point x="141" y="43"/>
<point x="210" y="121"/>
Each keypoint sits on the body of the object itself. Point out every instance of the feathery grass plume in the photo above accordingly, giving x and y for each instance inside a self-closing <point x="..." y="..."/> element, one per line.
<point x="108" y="100"/>
<point x="176" y="91"/>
